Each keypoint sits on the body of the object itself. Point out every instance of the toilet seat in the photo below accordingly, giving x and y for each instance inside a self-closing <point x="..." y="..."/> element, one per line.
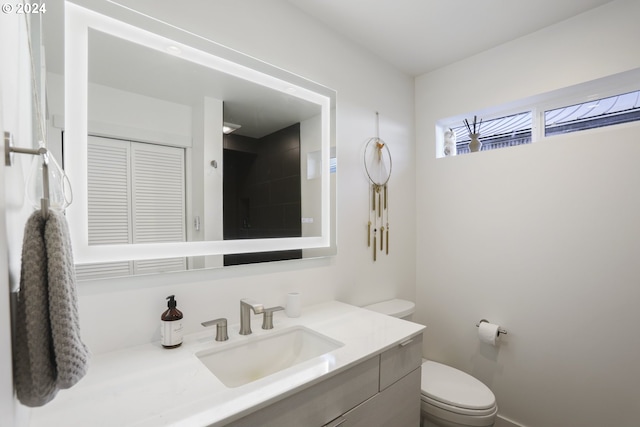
<point x="456" y="396"/>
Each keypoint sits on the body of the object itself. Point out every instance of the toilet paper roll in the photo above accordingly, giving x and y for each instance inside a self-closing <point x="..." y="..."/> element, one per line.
<point x="292" y="308"/>
<point x="488" y="332"/>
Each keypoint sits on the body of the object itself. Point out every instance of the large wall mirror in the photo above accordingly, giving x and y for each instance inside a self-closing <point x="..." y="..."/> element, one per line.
<point x="184" y="154"/>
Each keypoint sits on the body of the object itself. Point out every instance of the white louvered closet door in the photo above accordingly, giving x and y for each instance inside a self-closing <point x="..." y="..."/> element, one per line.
<point x="136" y="195"/>
<point x="109" y="203"/>
<point x="158" y="200"/>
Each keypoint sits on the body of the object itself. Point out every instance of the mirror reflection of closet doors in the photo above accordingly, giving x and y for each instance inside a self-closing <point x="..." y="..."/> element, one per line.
<point x="136" y="194"/>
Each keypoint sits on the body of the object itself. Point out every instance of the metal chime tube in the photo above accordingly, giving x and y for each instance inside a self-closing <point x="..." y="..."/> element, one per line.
<point x="375" y="247"/>
<point x="387" y="239"/>
<point x="385" y="196"/>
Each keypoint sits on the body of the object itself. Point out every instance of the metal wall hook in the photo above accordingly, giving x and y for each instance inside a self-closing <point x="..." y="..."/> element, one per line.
<point x="9" y="149"/>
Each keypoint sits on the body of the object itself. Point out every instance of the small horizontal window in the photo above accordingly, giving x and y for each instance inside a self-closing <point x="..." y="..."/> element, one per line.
<point x="314" y="163"/>
<point x="502" y="132"/>
<point x="609" y="111"/>
<point x="333" y="165"/>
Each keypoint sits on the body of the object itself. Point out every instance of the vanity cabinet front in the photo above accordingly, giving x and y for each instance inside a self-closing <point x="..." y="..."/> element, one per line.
<point x="381" y="391"/>
<point x="320" y="403"/>
<point x="398" y="405"/>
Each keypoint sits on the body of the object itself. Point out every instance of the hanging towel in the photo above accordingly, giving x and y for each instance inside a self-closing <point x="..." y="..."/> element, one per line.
<point x="49" y="354"/>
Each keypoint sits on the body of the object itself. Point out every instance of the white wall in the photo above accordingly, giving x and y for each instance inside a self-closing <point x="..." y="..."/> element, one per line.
<point x="310" y="189"/>
<point x="16" y="118"/>
<point x="542" y="239"/>
<point x="276" y="32"/>
<point x="212" y="142"/>
<point x="121" y="114"/>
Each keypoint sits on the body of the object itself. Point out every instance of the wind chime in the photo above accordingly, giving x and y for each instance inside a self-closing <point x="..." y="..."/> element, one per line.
<point x="377" y="163"/>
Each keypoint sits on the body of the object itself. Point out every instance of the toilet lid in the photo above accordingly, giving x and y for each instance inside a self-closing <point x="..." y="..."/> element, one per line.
<point x="394" y="307"/>
<point x="453" y="387"/>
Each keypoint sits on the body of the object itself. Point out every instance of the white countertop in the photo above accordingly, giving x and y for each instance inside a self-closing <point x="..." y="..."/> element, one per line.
<point x="148" y="385"/>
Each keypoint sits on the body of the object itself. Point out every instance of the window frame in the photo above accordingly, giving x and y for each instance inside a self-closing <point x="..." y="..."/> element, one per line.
<point x="593" y="90"/>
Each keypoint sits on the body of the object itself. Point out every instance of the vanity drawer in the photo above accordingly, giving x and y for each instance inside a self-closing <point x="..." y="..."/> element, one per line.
<point x="320" y="403"/>
<point x="399" y="361"/>
<point x="397" y="406"/>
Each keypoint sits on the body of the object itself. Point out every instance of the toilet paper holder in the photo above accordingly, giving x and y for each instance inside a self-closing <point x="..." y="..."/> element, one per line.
<point x="500" y="330"/>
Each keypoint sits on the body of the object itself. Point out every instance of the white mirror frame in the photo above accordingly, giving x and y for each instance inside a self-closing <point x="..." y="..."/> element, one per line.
<point x="145" y="31"/>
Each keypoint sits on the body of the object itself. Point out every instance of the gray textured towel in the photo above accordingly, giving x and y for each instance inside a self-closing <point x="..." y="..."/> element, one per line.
<point x="49" y="354"/>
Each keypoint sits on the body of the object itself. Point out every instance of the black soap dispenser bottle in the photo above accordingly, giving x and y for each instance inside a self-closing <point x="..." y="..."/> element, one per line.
<point x="171" y="327"/>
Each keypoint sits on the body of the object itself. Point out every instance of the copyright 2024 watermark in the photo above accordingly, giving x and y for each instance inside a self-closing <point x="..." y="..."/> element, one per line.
<point x="24" y="8"/>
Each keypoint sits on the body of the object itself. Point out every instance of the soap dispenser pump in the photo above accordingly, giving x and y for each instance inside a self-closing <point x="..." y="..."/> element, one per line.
<point x="171" y="327"/>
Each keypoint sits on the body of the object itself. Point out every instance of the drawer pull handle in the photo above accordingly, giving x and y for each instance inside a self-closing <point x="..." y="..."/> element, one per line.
<point x="337" y="422"/>
<point x="406" y="343"/>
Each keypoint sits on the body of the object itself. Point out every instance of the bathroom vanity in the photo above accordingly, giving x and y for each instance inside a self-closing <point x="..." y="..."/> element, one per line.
<point x="338" y="365"/>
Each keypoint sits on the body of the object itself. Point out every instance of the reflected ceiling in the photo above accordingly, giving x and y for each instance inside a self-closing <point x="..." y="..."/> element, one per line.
<point x="128" y="66"/>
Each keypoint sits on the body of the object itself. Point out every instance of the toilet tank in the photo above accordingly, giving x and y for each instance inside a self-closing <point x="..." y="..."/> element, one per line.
<point x="400" y="308"/>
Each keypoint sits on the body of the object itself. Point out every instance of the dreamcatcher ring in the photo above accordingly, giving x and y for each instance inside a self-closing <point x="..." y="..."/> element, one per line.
<point x="377" y="161"/>
<point x="378" y="166"/>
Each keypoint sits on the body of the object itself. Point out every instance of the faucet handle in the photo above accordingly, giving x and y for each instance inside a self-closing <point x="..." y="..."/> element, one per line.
<point x="221" y="328"/>
<point x="267" y="320"/>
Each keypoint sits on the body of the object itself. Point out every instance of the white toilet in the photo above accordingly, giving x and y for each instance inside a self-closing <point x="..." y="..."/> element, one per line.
<point x="450" y="398"/>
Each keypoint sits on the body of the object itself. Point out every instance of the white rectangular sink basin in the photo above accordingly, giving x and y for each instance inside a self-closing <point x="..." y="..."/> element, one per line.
<point x="258" y="357"/>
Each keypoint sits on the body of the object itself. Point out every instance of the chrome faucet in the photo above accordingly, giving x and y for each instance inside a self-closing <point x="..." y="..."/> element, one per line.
<point x="246" y="305"/>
